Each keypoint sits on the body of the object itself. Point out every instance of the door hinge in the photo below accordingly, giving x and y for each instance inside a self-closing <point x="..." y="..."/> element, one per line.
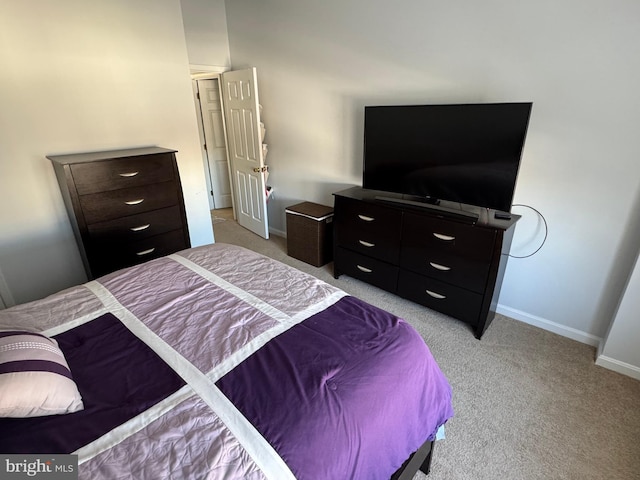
<point x="205" y="147"/>
<point x="198" y="95"/>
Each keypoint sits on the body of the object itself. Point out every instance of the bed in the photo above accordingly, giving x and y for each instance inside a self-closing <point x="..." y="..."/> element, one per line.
<point x="217" y="362"/>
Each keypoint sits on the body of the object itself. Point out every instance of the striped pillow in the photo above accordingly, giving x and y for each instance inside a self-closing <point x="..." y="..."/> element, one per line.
<point x="35" y="379"/>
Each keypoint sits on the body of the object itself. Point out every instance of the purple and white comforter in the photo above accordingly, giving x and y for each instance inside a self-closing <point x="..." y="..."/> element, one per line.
<point x="220" y="363"/>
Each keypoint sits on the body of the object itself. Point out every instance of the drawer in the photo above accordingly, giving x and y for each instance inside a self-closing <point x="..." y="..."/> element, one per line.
<point x="454" y="301"/>
<point x="368" y="228"/>
<point x="136" y="227"/>
<point x="120" y="173"/>
<point x="100" y="207"/>
<point x="115" y="257"/>
<point x="463" y="272"/>
<point x="421" y="233"/>
<point x="370" y="270"/>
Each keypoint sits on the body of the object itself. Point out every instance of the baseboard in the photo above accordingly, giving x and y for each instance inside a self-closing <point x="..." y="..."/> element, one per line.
<point x="277" y="233"/>
<point x="618" y="366"/>
<point x="550" y="326"/>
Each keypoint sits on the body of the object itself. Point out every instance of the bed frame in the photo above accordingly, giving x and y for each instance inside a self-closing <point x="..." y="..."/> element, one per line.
<point x="419" y="460"/>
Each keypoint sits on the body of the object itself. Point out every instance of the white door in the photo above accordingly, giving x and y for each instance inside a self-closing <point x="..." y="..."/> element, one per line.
<point x="244" y="144"/>
<point x="208" y="94"/>
<point x="6" y="299"/>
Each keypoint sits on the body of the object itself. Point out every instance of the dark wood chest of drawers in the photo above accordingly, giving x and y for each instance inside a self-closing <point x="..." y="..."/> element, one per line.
<point x="422" y="255"/>
<point x="125" y="206"/>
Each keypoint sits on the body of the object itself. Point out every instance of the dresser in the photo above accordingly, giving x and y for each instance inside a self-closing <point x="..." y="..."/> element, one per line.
<point x="125" y="206"/>
<point x="428" y="256"/>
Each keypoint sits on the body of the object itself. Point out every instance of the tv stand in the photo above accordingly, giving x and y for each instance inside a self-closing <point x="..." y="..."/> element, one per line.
<point x="434" y="205"/>
<point x="426" y="255"/>
<point x="428" y="200"/>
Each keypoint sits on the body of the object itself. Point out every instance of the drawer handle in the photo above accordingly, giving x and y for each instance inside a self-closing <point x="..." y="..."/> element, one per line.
<point x="435" y="295"/>
<point x="140" y="228"/>
<point x="446" y="238"/>
<point x="437" y="266"/>
<point x="364" y="269"/>
<point x="135" y="202"/>
<point x="366" y="244"/>
<point x="145" y="252"/>
<point x="365" y="218"/>
<point x="129" y="174"/>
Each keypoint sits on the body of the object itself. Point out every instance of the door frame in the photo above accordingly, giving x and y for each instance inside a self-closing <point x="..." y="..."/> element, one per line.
<point x="6" y="298"/>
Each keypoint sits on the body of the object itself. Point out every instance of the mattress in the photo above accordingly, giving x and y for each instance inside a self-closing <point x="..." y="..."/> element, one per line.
<point x="217" y="362"/>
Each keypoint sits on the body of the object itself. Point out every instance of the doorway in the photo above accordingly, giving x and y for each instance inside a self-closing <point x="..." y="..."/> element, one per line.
<point x="232" y="134"/>
<point x="212" y="134"/>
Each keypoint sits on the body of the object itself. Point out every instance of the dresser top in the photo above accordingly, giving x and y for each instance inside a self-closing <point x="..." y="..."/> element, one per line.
<point x="485" y="216"/>
<point x="107" y="155"/>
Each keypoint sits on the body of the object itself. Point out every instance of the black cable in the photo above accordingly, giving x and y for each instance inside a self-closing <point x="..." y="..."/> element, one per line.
<point x="546" y="231"/>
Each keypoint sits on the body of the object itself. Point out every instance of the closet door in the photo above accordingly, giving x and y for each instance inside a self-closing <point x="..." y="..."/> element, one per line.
<point x="210" y="107"/>
<point x="244" y="144"/>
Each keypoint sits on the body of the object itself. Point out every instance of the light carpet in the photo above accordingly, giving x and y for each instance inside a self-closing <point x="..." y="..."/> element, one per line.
<point x="529" y="404"/>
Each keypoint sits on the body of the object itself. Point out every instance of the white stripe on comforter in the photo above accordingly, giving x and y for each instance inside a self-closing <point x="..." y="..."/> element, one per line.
<point x="256" y="446"/>
<point x="202" y="313"/>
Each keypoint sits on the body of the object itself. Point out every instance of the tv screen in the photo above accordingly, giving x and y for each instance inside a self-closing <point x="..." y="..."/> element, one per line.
<point x="466" y="153"/>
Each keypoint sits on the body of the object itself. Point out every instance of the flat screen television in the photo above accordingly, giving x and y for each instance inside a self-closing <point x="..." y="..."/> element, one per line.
<point x="465" y="153"/>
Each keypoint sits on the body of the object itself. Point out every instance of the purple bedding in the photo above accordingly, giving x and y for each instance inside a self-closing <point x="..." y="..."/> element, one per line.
<point x="203" y="371"/>
<point x="100" y="355"/>
<point x="312" y="392"/>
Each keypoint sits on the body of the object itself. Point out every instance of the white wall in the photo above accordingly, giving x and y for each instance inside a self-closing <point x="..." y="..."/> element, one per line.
<point x="319" y="63"/>
<point x="205" y="27"/>
<point x="621" y="350"/>
<point x="83" y="76"/>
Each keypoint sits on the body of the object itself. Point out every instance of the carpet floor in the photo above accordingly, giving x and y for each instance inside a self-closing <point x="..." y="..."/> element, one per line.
<point x="529" y="404"/>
